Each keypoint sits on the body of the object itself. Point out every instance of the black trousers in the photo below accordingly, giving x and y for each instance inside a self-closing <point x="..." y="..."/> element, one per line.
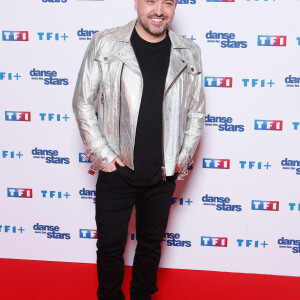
<point x="115" y="199"/>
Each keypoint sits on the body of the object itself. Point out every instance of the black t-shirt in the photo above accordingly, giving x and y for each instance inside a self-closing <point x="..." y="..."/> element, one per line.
<point x="153" y="59"/>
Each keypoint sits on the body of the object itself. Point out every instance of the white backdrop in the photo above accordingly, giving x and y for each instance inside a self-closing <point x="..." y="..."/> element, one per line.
<point x="241" y="235"/>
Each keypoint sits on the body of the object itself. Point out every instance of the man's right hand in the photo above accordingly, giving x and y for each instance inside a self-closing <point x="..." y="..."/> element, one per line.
<point x="112" y="166"/>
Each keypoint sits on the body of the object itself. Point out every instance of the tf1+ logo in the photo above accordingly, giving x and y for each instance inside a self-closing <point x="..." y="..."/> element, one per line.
<point x="214" y="241"/>
<point x="9" y="76"/>
<point x="19" y="193"/>
<point x="212" y="163"/>
<point x="186" y="1"/>
<point x="251" y="243"/>
<point x="87" y="234"/>
<point x="51" y="36"/>
<point x="268" y="125"/>
<point x="294" y="206"/>
<point x="257" y="82"/>
<point x="53" y="117"/>
<point x="254" y="165"/>
<point x="218" y="82"/>
<point x="181" y="201"/>
<point x="54" y="194"/>
<point x="12" y="229"/>
<point x="18" y="116"/>
<point x="271" y="40"/>
<point x="265" y="205"/>
<point x="11" y="154"/>
<point x="15" y="36"/>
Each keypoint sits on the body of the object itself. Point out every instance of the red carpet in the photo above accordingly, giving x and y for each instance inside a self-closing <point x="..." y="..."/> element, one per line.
<point x="39" y="280"/>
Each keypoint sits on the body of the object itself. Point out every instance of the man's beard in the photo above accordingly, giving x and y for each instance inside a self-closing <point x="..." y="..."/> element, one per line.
<point x="147" y="26"/>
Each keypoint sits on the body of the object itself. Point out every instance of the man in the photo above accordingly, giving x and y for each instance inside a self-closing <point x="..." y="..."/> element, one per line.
<point x="150" y="117"/>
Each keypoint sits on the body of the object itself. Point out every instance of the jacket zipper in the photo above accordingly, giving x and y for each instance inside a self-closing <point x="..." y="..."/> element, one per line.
<point x="163" y="168"/>
<point x="121" y="73"/>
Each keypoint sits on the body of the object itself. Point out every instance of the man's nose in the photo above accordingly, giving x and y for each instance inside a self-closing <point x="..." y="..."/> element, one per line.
<point x="159" y="11"/>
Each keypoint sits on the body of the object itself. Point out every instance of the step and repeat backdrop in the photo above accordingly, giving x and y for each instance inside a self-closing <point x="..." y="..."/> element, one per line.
<point x="239" y="208"/>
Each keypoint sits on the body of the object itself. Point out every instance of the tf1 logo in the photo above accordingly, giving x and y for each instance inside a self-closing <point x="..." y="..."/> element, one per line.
<point x="18" y="116"/>
<point x="15" y="36"/>
<point x="218" y="82"/>
<point x="268" y="125"/>
<point x="265" y="205"/>
<point x="211" y="163"/>
<point x="87" y="234"/>
<point x="19" y="193"/>
<point x="271" y="40"/>
<point x="213" y="241"/>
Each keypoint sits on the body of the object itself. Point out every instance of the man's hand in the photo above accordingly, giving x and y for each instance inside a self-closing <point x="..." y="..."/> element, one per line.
<point x="112" y="166"/>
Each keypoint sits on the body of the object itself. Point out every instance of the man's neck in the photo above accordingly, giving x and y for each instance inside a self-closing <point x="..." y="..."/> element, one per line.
<point x="148" y="36"/>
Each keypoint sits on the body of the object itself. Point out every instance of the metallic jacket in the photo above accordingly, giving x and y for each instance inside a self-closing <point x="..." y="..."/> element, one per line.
<point x="110" y="70"/>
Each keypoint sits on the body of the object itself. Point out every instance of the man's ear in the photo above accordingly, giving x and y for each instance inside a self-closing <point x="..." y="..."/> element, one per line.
<point x="135" y="5"/>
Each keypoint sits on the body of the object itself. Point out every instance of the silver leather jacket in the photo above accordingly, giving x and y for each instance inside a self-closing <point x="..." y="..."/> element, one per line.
<point x="110" y="70"/>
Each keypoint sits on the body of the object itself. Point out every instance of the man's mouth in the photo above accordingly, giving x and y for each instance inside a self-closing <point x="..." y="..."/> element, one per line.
<point x="157" y="20"/>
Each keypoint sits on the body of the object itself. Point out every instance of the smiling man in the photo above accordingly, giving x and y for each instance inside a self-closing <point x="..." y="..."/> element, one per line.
<point x="150" y="118"/>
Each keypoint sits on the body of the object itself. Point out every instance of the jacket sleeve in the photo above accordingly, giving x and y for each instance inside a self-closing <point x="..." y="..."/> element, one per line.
<point x="194" y="122"/>
<point x="86" y="91"/>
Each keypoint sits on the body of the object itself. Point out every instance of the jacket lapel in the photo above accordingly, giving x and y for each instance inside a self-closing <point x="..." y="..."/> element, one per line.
<point x="176" y="65"/>
<point x="127" y="56"/>
<point x="126" y="53"/>
<point x="177" y="62"/>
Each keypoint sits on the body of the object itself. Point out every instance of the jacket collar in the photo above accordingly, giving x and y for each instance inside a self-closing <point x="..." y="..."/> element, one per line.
<point x="123" y="34"/>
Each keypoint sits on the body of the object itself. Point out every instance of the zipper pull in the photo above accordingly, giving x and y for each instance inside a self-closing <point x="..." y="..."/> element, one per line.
<point x="163" y="173"/>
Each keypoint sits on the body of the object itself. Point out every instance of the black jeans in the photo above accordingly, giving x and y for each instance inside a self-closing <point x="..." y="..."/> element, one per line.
<point x="115" y="199"/>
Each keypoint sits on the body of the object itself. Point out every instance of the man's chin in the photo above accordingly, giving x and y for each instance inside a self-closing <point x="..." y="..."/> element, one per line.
<point x="157" y="31"/>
